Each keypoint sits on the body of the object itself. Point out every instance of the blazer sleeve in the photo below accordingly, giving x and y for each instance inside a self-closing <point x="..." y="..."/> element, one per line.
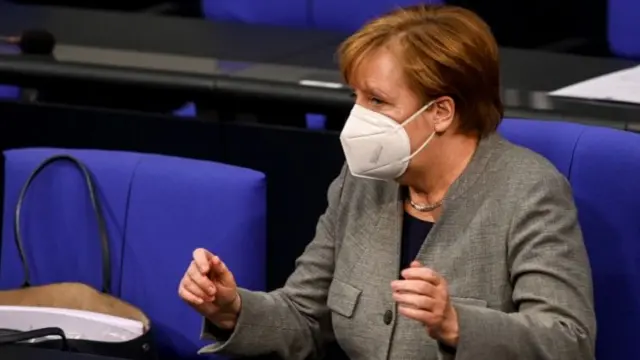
<point x="552" y="288"/>
<point x="294" y="321"/>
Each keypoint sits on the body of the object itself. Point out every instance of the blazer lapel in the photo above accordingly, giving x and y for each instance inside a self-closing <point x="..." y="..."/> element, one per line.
<point x="380" y="261"/>
<point x="439" y="237"/>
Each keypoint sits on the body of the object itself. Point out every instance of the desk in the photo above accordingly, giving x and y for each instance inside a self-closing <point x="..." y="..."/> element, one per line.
<point x="161" y="34"/>
<point x="209" y="59"/>
<point x="526" y="77"/>
<point x="178" y="55"/>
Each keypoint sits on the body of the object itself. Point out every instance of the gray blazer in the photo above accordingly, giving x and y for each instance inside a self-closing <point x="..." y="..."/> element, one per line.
<point x="507" y="242"/>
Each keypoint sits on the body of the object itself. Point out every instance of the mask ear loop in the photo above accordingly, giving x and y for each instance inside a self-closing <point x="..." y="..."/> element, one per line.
<point x="424" y="145"/>
<point x="415" y="115"/>
<point x="426" y="142"/>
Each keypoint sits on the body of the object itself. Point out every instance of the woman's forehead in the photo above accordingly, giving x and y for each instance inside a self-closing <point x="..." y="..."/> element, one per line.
<point x="381" y="71"/>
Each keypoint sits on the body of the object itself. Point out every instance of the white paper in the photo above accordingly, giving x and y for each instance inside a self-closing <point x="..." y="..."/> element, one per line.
<point x="322" y="84"/>
<point x="76" y="324"/>
<point x="620" y="86"/>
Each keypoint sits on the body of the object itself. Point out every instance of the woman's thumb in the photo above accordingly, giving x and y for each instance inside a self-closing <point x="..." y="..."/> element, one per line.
<point x="220" y="273"/>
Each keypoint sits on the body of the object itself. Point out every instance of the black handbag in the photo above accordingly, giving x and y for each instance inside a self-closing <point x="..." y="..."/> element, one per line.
<point x="75" y="296"/>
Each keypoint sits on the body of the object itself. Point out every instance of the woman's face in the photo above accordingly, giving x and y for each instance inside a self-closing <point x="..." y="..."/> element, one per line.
<point x="380" y="86"/>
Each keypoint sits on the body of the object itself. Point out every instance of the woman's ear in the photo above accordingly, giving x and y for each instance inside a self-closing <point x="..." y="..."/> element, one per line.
<point x="444" y="112"/>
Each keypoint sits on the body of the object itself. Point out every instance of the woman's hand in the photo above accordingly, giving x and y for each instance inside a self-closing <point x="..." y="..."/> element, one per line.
<point x="423" y="296"/>
<point x="209" y="287"/>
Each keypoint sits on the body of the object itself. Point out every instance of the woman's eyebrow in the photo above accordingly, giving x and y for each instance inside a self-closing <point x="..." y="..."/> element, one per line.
<point x="375" y="92"/>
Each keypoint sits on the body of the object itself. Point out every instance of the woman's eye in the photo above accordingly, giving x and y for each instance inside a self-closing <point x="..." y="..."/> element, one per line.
<point x="376" y="101"/>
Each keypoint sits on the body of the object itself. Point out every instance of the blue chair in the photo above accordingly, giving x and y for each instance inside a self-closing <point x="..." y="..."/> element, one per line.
<point x="294" y="13"/>
<point x="188" y="110"/>
<point x="557" y="145"/>
<point x="606" y="181"/>
<point x="176" y="206"/>
<point x="349" y="16"/>
<point x="158" y="210"/>
<point x="59" y="228"/>
<point x="8" y="92"/>
<point x="602" y="167"/>
<point x="623" y="28"/>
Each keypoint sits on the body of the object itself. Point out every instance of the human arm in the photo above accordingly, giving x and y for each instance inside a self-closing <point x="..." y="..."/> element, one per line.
<point x="294" y="321"/>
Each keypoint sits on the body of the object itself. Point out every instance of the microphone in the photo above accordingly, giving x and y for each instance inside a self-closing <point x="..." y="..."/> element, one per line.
<point x="33" y="42"/>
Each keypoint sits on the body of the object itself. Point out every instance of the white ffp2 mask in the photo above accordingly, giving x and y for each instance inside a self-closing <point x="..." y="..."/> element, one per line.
<point x="377" y="147"/>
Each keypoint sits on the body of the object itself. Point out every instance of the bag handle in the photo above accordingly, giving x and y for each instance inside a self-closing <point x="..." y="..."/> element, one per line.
<point x="13" y="337"/>
<point x="97" y="208"/>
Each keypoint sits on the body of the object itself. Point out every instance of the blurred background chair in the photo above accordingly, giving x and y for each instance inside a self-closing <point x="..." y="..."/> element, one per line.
<point x="294" y="13"/>
<point x="349" y="16"/>
<point x="188" y="110"/>
<point x="8" y="92"/>
<point x="158" y="209"/>
<point x="623" y="28"/>
<point x="608" y="208"/>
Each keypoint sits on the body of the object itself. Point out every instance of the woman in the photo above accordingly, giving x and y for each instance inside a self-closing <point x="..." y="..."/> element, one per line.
<point x="441" y="240"/>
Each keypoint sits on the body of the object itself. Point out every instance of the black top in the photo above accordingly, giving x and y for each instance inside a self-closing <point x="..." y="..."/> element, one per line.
<point x="414" y="233"/>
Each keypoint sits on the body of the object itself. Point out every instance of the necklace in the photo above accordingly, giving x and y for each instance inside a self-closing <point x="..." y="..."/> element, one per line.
<point x="425" y="207"/>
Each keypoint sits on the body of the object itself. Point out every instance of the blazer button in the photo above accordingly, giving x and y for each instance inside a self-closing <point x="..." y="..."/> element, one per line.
<point x="388" y="316"/>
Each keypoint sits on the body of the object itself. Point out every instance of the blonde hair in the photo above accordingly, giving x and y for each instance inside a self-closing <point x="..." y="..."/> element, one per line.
<point x="444" y="51"/>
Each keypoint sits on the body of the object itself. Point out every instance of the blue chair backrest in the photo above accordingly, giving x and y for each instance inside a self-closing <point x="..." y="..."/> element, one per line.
<point x="294" y="13"/>
<point x="602" y="167"/>
<point x="623" y="27"/>
<point x="8" y="92"/>
<point x="187" y="110"/>
<point x="158" y="209"/>
<point x="338" y="15"/>
<point x="553" y="140"/>
<point x="349" y="16"/>
<point x="606" y="182"/>
<point x="175" y="207"/>
<point x="58" y="225"/>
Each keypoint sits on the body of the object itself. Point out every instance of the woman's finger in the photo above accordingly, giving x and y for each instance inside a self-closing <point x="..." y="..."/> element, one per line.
<point x="414" y="301"/>
<point x="196" y="290"/>
<point x="414" y="286"/>
<point x="202" y="260"/>
<point x="421" y="273"/>
<point x="190" y="298"/>
<point x="201" y="281"/>
<point x="415" y="314"/>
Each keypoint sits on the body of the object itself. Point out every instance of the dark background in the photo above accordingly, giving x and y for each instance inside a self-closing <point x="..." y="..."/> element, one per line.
<point x="576" y="26"/>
